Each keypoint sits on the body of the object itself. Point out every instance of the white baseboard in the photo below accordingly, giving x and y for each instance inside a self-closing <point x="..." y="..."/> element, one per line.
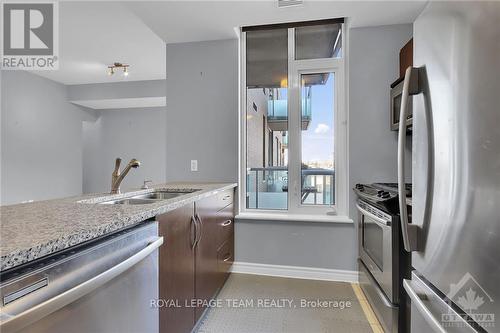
<point x="296" y="272"/>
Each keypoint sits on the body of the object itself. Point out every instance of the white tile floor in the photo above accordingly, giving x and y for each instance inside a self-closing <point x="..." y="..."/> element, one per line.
<point x="256" y="317"/>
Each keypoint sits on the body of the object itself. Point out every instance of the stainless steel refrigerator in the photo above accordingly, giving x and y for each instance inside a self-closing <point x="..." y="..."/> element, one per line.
<point x="454" y="234"/>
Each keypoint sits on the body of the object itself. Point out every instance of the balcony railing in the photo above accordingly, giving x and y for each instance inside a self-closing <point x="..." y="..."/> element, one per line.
<point x="277" y="112"/>
<point x="278" y="109"/>
<point x="267" y="187"/>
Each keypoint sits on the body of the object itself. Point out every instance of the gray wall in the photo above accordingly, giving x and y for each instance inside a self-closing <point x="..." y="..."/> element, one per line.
<point x="125" y="133"/>
<point x="373" y="66"/>
<point x="41" y="139"/>
<point x="306" y="244"/>
<point x="202" y="110"/>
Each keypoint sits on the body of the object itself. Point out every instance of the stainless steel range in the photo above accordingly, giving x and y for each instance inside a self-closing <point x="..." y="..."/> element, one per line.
<point x="383" y="263"/>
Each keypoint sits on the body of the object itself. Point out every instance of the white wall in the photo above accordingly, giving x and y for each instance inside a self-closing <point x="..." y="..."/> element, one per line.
<point x="202" y="110"/>
<point x="125" y="133"/>
<point x="41" y="135"/>
<point x="45" y="155"/>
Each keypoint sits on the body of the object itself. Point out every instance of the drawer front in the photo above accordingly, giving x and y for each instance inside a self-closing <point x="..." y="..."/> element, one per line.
<point x="225" y="258"/>
<point x="225" y="199"/>
<point x="217" y="201"/>
<point x="225" y="224"/>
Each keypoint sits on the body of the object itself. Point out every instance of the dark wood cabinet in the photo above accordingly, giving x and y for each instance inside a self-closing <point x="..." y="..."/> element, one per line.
<point x="225" y="258"/>
<point x="405" y="57"/>
<point x="206" y="253"/>
<point x="177" y="269"/>
<point x="215" y="215"/>
<point x="195" y="259"/>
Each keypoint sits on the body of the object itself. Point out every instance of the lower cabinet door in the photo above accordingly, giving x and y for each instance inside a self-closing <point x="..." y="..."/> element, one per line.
<point x="206" y="279"/>
<point x="177" y="270"/>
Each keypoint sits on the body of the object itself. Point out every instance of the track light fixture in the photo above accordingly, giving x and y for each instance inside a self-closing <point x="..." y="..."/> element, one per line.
<point x="112" y="68"/>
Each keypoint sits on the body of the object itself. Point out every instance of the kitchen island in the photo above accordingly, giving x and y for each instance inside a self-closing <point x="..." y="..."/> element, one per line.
<point x="30" y="231"/>
<point x="62" y="259"/>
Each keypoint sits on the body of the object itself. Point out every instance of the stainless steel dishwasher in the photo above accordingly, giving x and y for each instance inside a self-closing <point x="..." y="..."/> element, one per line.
<point x="103" y="286"/>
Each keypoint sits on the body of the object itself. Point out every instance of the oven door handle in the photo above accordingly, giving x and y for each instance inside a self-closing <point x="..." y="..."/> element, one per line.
<point x="380" y="221"/>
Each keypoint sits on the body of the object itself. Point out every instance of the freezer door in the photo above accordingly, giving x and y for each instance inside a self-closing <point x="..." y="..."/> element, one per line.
<point x="430" y="312"/>
<point x="456" y="153"/>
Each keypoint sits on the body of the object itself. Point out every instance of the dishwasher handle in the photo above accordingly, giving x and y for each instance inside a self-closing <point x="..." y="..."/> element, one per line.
<point x="25" y="318"/>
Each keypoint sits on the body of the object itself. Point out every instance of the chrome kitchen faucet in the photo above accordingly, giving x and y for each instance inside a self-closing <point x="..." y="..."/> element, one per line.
<point x="117" y="176"/>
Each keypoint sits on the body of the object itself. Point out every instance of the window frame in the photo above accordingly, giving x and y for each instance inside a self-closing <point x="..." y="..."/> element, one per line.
<point x="295" y="69"/>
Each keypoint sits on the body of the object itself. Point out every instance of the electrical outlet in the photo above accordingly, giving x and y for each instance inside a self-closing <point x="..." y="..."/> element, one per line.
<point x="194" y="165"/>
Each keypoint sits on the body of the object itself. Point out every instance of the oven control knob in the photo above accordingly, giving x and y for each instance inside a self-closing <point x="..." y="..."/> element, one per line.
<point x="386" y="195"/>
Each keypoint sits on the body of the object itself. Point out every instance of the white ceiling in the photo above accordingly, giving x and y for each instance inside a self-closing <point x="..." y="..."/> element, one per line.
<point x="188" y="21"/>
<point x="93" y="35"/>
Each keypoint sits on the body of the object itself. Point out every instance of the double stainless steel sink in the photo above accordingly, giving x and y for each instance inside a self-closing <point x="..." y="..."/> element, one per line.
<point x="148" y="198"/>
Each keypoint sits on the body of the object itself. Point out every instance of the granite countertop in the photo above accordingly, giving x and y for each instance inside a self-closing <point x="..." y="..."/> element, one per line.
<point x="32" y="230"/>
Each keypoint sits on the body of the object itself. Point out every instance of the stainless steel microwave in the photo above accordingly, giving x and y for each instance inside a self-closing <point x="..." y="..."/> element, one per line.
<point x="396" y="95"/>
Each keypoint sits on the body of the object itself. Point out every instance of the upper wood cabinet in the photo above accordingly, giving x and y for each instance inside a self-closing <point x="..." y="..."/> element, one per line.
<point x="405" y="57"/>
<point x="195" y="258"/>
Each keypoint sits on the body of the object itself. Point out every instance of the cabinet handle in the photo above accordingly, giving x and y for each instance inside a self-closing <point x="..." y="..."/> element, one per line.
<point x="227" y="258"/>
<point x="226" y="197"/>
<point x="200" y="228"/>
<point x="227" y="223"/>
<point x="193" y="234"/>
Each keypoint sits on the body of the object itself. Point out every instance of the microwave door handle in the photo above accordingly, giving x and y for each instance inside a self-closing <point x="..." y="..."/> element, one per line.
<point x="410" y="86"/>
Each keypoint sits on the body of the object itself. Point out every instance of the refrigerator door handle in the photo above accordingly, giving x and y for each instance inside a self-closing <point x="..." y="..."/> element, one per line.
<point x="417" y="300"/>
<point x="16" y="322"/>
<point x="410" y="87"/>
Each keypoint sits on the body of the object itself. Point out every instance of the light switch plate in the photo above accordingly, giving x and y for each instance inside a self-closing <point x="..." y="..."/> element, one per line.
<point x="194" y="165"/>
